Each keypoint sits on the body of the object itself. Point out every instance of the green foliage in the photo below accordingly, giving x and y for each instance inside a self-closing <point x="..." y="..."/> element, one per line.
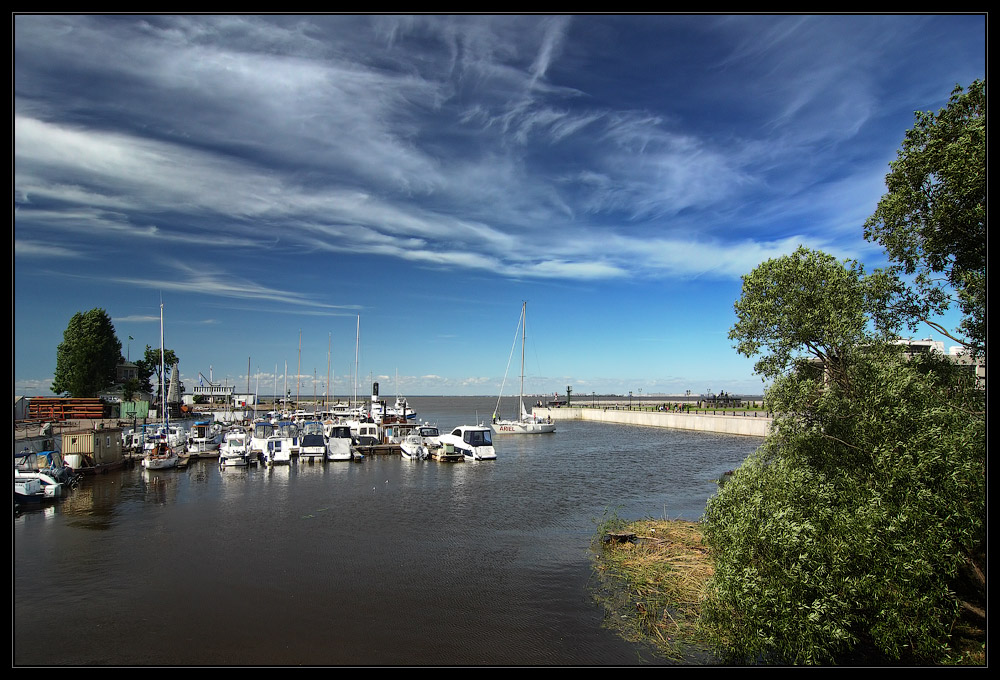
<point x="88" y="355"/>
<point x="149" y="366"/>
<point x="841" y="538"/>
<point x="932" y="220"/>
<point x="807" y="305"/>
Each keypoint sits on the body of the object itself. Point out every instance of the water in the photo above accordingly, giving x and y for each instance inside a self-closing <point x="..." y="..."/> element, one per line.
<point x="384" y="562"/>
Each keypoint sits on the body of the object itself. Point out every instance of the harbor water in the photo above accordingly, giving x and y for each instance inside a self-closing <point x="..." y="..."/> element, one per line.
<point x="381" y="562"/>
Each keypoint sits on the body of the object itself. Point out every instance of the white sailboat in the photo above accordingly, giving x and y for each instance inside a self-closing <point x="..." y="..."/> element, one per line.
<point x="526" y="423"/>
<point x="162" y="455"/>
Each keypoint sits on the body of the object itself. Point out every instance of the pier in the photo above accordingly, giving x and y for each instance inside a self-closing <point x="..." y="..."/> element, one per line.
<point x="752" y="424"/>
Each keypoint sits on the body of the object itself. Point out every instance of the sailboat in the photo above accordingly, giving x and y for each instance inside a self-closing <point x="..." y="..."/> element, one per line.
<point x="162" y="455"/>
<point x="527" y="423"/>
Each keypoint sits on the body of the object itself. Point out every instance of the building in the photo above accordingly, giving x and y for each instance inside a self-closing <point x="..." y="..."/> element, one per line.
<point x="95" y="450"/>
<point x="958" y="355"/>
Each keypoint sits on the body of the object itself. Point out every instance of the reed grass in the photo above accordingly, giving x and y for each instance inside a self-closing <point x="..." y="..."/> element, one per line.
<point x="653" y="587"/>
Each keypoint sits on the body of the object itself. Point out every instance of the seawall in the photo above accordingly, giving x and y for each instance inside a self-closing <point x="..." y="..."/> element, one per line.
<point x="743" y="425"/>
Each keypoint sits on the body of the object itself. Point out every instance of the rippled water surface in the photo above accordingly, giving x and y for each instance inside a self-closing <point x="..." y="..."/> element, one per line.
<point x="385" y="561"/>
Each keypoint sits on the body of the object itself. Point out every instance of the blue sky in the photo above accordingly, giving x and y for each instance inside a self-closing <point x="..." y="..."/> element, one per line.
<point x="271" y="178"/>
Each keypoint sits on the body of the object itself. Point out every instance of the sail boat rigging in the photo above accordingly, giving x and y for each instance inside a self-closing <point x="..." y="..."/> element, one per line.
<point x="526" y="423"/>
<point x="162" y="455"/>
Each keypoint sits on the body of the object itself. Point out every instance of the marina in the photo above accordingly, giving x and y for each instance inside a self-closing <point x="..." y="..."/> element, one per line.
<point x="343" y="561"/>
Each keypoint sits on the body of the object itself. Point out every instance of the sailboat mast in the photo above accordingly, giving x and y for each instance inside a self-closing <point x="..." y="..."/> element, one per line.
<point x="163" y="376"/>
<point x="524" y="322"/>
<point x="357" y="344"/>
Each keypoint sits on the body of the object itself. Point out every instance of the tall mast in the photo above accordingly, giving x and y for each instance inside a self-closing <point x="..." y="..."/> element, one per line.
<point x="163" y="376"/>
<point x="357" y="344"/>
<point x="524" y="322"/>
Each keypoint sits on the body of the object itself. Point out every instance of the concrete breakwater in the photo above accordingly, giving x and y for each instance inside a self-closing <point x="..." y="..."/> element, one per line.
<point x="749" y="425"/>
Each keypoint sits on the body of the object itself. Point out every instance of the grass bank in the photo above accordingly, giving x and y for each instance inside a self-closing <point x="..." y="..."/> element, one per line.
<point x="653" y="575"/>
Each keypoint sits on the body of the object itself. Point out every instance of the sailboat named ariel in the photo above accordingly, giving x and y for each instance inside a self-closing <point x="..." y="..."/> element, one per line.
<point x="527" y="423"/>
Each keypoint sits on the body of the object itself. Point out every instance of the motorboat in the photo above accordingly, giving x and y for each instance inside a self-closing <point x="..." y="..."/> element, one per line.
<point x="412" y="447"/>
<point x="421" y="442"/>
<point x="474" y="442"/>
<point x="401" y="410"/>
<point x="365" y="433"/>
<point x="338" y="442"/>
<point x="312" y="446"/>
<point x="235" y="449"/>
<point x="48" y="463"/>
<point x="36" y="487"/>
<point x="174" y="436"/>
<point x="204" y="437"/>
<point x="525" y="423"/>
<point x="283" y="443"/>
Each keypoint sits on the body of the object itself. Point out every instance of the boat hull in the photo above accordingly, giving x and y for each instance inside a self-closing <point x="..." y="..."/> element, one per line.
<point x="516" y="427"/>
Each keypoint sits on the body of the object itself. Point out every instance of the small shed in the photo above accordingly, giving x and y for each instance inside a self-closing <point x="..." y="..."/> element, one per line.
<point x="93" y="450"/>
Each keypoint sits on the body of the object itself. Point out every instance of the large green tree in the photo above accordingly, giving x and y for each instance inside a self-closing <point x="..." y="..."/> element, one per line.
<point x="87" y="356"/>
<point x="932" y="220"/>
<point x="845" y="537"/>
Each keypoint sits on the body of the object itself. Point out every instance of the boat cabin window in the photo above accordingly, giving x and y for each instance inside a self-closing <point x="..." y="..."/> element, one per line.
<point x="478" y="438"/>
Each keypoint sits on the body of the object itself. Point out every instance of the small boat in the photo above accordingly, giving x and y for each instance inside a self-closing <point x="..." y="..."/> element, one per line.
<point x="36" y="487"/>
<point x="162" y="457"/>
<point x="421" y="443"/>
<point x="474" y="442"/>
<point x="235" y="449"/>
<point x="412" y="447"/>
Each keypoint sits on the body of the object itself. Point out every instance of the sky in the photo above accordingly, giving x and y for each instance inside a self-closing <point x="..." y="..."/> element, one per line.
<point x="279" y="182"/>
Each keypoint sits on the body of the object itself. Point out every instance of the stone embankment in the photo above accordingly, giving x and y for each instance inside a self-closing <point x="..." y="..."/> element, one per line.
<point x="751" y="424"/>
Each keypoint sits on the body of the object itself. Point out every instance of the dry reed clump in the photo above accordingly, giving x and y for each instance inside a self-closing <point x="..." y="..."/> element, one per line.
<point x="661" y="577"/>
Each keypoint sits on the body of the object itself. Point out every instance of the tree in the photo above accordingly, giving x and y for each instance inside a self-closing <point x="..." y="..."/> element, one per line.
<point x="809" y="306"/>
<point x="87" y="357"/>
<point x="846" y="536"/>
<point x="149" y="366"/>
<point x="932" y="220"/>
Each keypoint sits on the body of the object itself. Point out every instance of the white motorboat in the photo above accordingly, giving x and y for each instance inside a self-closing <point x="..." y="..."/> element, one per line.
<point x="412" y="447"/>
<point x="526" y="423"/>
<point x="34" y="487"/>
<point x="283" y="443"/>
<point x="312" y="446"/>
<point x="338" y="442"/>
<point x="204" y="437"/>
<point x="174" y="436"/>
<point x="474" y="442"/>
<point x="421" y="443"/>
<point x="401" y="410"/>
<point x="235" y="449"/>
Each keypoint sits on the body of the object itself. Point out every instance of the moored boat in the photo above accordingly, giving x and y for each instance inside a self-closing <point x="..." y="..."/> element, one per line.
<point x="235" y="449"/>
<point x="474" y="442"/>
<point x="525" y="423"/>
